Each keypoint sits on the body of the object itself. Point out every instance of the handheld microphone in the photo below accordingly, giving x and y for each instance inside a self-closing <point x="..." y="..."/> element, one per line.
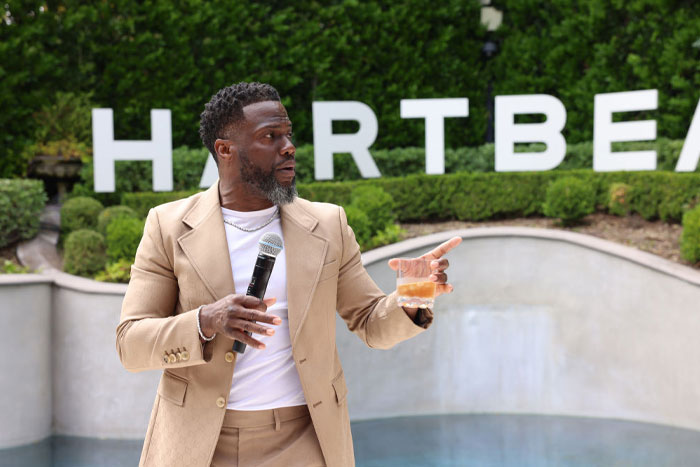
<point x="270" y="245"/>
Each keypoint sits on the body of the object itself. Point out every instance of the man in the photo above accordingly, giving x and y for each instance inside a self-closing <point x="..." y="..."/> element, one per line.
<point x="283" y="401"/>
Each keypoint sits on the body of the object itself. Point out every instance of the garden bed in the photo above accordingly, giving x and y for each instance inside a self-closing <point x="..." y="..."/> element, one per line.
<point x="659" y="238"/>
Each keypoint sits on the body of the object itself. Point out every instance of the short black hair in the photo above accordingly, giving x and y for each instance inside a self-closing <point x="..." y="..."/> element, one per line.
<point x="226" y="108"/>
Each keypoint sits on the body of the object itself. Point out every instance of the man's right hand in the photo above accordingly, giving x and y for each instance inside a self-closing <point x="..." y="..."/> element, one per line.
<point x="234" y="314"/>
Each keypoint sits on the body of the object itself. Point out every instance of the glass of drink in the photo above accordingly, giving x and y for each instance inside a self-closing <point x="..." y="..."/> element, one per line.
<point x="413" y="283"/>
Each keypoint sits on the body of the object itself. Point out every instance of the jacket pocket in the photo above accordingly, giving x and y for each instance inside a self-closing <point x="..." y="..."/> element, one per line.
<point x="172" y="388"/>
<point x="329" y="270"/>
<point x="340" y="388"/>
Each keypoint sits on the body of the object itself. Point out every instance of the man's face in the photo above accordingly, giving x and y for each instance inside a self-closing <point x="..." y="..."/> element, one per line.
<point x="266" y="152"/>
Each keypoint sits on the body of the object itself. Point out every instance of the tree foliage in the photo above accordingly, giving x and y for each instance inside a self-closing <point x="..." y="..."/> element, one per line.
<point x="133" y="56"/>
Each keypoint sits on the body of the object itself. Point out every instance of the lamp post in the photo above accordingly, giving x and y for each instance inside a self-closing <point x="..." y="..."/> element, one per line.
<point x="489" y="49"/>
<point x="491" y="18"/>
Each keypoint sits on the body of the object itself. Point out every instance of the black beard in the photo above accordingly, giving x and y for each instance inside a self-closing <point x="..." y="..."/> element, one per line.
<point x="265" y="184"/>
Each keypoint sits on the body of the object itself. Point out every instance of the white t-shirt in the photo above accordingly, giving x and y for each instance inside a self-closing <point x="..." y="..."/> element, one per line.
<point x="267" y="378"/>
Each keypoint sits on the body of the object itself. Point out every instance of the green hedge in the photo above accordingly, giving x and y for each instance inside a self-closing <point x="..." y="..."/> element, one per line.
<point x="479" y="196"/>
<point x="21" y="203"/>
<point x="133" y="56"/>
<point x="188" y="164"/>
<point x="569" y="199"/>
<point x="399" y="162"/>
<point x="690" y="238"/>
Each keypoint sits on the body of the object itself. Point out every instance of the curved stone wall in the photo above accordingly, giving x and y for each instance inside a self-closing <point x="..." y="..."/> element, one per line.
<point x="546" y="322"/>
<point x="25" y="366"/>
<point x="541" y="321"/>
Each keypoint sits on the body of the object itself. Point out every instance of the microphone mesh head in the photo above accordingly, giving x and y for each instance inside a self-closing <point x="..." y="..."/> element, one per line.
<point x="270" y="244"/>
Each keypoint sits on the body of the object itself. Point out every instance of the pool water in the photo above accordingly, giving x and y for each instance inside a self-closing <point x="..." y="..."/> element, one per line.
<point x="445" y="440"/>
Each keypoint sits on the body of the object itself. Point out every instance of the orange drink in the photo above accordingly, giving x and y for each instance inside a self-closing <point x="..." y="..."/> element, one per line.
<point x="424" y="289"/>
<point x="413" y="283"/>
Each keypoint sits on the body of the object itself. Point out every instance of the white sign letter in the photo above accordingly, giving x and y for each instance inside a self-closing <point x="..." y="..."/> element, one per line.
<point x="210" y="174"/>
<point x="434" y="111"/>
<point x="106" y="150"/>
<point x="690" y="153"/>
<point x="605" y="132"/>
<point x="507" y="132"/>
<point x="357" y="144"/>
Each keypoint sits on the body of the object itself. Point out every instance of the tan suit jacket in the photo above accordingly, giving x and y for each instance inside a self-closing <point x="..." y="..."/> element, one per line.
<point x="183" y="262"/>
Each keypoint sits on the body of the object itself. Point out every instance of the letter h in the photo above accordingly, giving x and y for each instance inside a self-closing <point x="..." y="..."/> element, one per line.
<point x="106" y="150"/>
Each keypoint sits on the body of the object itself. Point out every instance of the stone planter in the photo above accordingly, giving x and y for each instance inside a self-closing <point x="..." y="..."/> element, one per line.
<point x="58" y="173"/>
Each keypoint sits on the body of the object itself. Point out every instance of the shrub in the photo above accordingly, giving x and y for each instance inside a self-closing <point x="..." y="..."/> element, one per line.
<point x="119" y="271"/>
<point x="130" y="176"/>
<point x="143" y="202"/>
<point x="84" y="253"/>
<point x="619" y="199"/>
<point x="569" y="199"/>
<point x="123" y="237"/>
<point x="690" y="238"/>
<point x="360" y="223"/>
<point x="21" y="203"/>
<point x="10" y="267"/>
<point x="111" y="213"/>
<point x="377" y="203"/>
<point x="391" y="234"/>
<point x="80" y="213"/>
<point x="188" y="166"/>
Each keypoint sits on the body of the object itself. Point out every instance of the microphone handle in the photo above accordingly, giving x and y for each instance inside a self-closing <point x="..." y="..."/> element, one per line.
<point x="257" y="287"/>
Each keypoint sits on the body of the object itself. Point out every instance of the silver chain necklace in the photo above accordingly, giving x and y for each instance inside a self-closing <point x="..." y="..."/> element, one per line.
<point x="265" y="224"/>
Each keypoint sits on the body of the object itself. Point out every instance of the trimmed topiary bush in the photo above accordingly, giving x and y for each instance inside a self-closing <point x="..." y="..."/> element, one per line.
<point x="123" y="237"/>
<point x="116" y="272"/>
<point x="360" y="223"/>
<point x="80" y="213"/>
<point x="84" y="253"/>
<point x="21" y="203"/>
<point x="111" y="213"/>
<point x="391" y="234"/>
<point x="569" y="199"/>
<point x="690" y="238"/>
<point x="377" y="203"/>
<point x="619" y="199"/>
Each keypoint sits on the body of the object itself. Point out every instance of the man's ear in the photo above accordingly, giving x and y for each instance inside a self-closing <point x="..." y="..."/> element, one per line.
<point x="226" y="150"/>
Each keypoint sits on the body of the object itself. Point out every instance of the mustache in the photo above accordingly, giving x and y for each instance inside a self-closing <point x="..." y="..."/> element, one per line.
<point x="284" y="161"/>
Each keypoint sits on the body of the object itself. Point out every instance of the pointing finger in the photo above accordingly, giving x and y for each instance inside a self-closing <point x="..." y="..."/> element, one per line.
<point x="443" y="248"/>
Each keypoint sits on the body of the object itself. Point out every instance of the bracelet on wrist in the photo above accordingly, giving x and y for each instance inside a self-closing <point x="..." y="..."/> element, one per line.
<point x="199" y="328"/>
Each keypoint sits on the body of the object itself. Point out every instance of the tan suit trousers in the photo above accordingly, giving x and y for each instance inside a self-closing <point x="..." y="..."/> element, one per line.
<point x="268" y="438"/>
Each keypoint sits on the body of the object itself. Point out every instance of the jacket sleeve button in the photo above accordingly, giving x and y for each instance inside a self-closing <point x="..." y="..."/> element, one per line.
<point x="172" y="358"/>
<point x="228" y="357"/>
<point x="221" y="402"/>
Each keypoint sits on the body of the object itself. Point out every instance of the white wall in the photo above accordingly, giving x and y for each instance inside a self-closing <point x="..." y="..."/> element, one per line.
<point x="541" y="322"/>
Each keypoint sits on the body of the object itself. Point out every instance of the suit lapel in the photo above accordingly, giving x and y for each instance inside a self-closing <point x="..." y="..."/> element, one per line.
<point x="305" y="253"/>
<point x="205" y="245"/>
